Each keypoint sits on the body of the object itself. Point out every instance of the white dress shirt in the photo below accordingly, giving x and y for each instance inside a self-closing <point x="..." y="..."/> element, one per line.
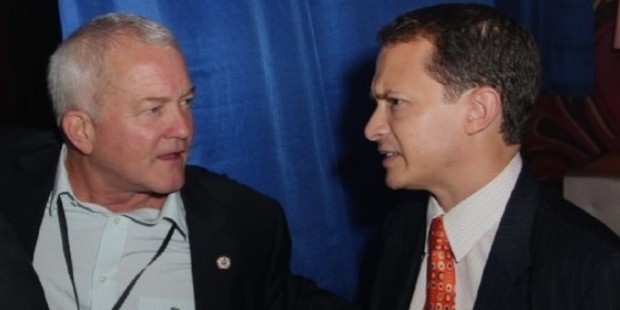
<point x="471" y="227"/>
<point x="109" y="249"/>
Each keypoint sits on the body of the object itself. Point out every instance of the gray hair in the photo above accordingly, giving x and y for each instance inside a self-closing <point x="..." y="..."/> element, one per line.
<point x="76" y="65"/>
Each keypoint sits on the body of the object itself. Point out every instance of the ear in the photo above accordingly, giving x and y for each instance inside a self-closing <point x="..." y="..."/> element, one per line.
<point x="484" y="109"/>
<point x="79" y="129"/>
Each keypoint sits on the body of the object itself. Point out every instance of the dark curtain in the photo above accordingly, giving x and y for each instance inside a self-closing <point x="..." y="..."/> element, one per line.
<point x="29" y="32"/>
<point x="564" y="30"/>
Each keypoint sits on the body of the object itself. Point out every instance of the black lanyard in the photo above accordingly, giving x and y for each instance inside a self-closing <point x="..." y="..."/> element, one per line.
<point x="64" y="232"/>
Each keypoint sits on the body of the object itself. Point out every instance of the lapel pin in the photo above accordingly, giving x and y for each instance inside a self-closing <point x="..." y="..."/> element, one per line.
<point x="223" y="262"/>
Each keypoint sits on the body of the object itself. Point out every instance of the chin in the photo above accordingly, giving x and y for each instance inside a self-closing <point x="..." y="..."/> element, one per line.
<point x="393" y="184"/>
<point x="165" y="189"/>
<point x="402" y="182"/>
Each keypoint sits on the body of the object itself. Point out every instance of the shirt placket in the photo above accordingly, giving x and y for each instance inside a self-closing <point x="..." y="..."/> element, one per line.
<point x="107" y="261"/>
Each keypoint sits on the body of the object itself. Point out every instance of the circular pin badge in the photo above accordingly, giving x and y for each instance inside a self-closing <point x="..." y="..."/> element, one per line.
<point x="223" y="262"/>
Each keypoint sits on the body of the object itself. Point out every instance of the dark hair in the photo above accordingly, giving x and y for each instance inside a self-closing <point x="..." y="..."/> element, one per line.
<point x="476" y="45"/>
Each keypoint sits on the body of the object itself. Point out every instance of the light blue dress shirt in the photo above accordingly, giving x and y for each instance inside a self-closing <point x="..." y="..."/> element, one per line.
<point x="109" y="249"/>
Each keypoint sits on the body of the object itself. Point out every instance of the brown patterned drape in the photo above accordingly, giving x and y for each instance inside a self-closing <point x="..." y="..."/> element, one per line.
<point x="581" y="135"/>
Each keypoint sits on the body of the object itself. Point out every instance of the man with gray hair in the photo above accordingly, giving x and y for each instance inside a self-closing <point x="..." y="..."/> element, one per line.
<point x="113" y="217"/>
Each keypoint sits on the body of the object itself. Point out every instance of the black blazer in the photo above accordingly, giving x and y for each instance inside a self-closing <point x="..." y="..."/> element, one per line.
<point x="20" y="287"/>
<point x="223" y="218"/>
<point x="547" y="254"/>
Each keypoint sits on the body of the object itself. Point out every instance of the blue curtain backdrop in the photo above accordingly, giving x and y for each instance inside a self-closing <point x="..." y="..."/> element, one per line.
<point x="282" y="90"/>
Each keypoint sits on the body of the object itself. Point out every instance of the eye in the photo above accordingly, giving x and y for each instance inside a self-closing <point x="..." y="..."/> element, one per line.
<point x="155" y="109"/>
<point x="187" y="102"/>
<point x="394" y="101"/>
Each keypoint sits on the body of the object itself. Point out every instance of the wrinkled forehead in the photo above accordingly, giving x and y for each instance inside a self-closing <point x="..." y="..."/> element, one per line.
<point x="131" y="57"/>
<point x="402" y="60"/>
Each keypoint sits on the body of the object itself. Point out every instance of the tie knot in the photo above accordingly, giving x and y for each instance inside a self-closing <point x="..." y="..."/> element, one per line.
<point x="438" y="239"/>
<point x="437" y="232"/>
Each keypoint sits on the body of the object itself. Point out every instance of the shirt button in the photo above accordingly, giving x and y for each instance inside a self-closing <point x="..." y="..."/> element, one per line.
<point x="102" y="279"/>
<point x="117" y="220"/>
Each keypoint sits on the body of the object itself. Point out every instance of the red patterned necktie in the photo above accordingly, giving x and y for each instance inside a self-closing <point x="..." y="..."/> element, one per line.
<point x="441" y="276"/>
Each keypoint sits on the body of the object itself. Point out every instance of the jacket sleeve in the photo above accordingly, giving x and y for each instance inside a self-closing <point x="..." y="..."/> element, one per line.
<point x="295" y="292"/>
<point x="603" y="292"/>
<point x="310" y="296"/>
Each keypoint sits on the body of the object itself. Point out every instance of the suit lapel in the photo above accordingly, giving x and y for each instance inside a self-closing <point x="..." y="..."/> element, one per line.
<point x="505" y="278"/>
<point x="403" y="254"/>
<point x="210" y="246"/>
<point x="414" y="252"/>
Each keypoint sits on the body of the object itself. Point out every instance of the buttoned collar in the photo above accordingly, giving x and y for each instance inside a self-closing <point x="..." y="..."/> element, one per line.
<point x="470" y="219"/>
<point x="173" y="209"/>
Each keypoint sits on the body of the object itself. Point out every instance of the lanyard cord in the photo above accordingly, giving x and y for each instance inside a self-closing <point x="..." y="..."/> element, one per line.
<point x="64" y="233"/>
<point x="65" y="247"/>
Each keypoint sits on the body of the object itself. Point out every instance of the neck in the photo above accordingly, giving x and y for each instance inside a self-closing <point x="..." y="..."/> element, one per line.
<point x="89" y="187"/>
<point x="471" y="177"/>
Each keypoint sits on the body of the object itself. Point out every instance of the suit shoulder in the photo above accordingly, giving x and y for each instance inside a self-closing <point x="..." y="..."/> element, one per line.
<point x="25" y="140"/>
<point x="247" y="214"/>
<point x="223" y="188"/>
<point x="27" y="150"/>
<point x="575" y="257"/>
<point x="574" y="227"/>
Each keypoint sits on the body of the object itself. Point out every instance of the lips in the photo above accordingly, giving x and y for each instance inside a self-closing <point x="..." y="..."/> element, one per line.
<point x="388" y="154"/>
<point x="173" y="156"/>
<point x="388" y="157"/>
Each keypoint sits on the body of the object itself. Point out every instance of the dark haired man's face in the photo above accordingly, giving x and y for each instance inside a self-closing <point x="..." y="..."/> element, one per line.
<point x="419" y="134"/>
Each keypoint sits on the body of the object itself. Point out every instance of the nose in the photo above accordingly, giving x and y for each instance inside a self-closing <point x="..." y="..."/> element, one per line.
<point x="181" y="123"/>
<point x="377" y="126"/>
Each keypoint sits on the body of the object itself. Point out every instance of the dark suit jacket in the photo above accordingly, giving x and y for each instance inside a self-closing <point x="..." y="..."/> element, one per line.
<point x="20" y="287"/>
<point x="223" y="218"/>
<point x="547" y="254"/>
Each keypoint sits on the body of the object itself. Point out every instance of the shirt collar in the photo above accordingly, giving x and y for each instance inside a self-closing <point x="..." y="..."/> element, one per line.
<point x="471" y="218"/>
<point x="173" y="209"/>
<point x="61" y="181"/>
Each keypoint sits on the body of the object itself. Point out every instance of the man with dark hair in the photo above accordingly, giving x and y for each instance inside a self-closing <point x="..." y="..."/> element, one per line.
<point x="112" y="216"/>
<point x="454" y="86"/>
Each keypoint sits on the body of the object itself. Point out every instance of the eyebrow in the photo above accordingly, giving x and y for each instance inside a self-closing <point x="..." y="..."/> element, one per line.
<point x="191" y="92"/>
<point x="384" y="95"/>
